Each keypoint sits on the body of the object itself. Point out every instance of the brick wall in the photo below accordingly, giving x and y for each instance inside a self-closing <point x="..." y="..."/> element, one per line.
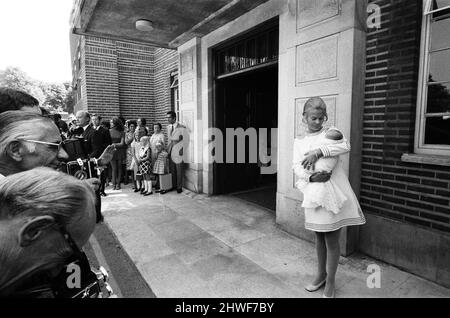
<point x="136" y="80"/>
<point x="102" y="82"/>
<point x="125" y="78"/>
<point x="408" y="192"/>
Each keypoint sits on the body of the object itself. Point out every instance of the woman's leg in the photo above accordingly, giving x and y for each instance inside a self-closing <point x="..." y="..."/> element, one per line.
<point x="120" y="171"/>
<point x="114" y="164"/>
<point x="133" y="181"/>
<point x="109" y="179"/>
<point x="149" y="184"/>
<point x="124" y="173"/>
<point x="138" y="183"/>
<point x="321" y="250"/>
<point x="144" y="183"/>
<point x="333" y="254"/>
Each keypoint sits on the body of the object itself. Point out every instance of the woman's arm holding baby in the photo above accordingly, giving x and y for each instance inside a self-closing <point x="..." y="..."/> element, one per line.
<point x="331" y="150"/>
<point x="335" y="149"/>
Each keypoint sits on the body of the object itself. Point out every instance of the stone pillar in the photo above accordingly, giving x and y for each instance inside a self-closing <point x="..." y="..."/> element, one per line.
<point x="190" y="110"/>
<point x="321" y="54"/>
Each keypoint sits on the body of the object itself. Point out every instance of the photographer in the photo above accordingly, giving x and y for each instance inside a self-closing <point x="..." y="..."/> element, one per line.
<point x="45" y="216"/>
<point x="29" y="140"/>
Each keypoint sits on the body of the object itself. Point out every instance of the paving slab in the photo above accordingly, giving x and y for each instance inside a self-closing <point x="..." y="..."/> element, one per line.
<point x="191" y="245"/>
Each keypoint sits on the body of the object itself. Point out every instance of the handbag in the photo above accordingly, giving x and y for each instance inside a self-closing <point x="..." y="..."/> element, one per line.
<point x="165" y="180"/>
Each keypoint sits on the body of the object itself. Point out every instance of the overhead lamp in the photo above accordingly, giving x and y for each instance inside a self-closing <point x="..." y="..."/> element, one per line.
<point x="144" y="25"/>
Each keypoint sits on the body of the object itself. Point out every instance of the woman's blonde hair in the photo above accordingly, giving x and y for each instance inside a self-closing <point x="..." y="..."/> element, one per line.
<point x="315" y="103"/>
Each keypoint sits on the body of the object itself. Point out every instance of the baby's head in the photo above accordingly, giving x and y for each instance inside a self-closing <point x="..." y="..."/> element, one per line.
<point x="315" y="114"/>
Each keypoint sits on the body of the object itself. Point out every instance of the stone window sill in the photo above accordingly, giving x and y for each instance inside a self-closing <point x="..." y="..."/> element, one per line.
<point x="426" y="159"/>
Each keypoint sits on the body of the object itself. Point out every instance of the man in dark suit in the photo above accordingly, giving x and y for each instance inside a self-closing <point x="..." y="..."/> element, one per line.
<point x="101" y="140"/>
<point x="88" y="133"/>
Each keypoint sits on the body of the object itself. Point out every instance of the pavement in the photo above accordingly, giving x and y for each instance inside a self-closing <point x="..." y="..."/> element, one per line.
<point x="103" y="249"/>
<point x="192" y="245"/>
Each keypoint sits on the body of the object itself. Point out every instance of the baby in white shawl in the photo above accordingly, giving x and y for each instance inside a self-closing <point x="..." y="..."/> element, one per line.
<point x="323" y="194"/>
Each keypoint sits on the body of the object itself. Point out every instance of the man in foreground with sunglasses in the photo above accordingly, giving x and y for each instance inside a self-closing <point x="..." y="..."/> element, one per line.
<point x="29" y="140"/>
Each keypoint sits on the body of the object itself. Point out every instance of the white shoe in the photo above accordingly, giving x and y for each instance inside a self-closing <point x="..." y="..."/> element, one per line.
<point x="313" y="288"/>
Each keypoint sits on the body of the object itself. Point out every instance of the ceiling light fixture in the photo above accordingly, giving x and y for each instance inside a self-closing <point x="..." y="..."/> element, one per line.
<point x="144" y="25"/>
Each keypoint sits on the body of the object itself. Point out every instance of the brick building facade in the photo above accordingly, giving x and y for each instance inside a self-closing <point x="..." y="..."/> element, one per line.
<point x="122" y="78"/>
<point x="396" y="183"/>
<point x="395" y="113"/>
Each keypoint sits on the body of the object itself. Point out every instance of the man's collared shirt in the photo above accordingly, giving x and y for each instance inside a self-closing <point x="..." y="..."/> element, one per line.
<point x="172" y="128"/>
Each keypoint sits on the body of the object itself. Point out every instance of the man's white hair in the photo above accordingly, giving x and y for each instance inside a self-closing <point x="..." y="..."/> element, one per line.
<point x="39" y="192"/>
<point x="19" y="125"/>
<point x="44" y="191"/>
<point x="83" y="113"/>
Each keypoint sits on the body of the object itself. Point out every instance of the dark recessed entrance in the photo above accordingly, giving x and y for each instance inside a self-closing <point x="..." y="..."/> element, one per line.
<point x="246" y="96"/>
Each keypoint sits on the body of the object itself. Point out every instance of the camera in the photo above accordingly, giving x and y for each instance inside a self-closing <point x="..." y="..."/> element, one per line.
<point x="93" y="281"/>
<point x="79" y="164"/>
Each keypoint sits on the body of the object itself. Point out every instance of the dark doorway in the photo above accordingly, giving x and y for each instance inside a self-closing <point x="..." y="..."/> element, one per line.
<point x="247" y="100"/>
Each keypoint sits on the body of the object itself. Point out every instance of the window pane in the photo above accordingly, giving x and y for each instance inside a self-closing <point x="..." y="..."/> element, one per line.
<point x="251" y="52"/>
<point x="443" y="14"/>
<point x="440" y="66"/>
<point x="440" y="34"/>
<point x="438" y="98"/>
<point x="438" y="4"/>
<point x="437" y="131"/>
<point x="273" y="45"/>
<point x="258" y="49"/>
<point x="240" y="52"/>
<point x="262" y="48"/>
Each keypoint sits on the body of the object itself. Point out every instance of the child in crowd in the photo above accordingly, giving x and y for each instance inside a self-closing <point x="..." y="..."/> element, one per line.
<point x="145" y="165"/>
<point x="160" y="167"/>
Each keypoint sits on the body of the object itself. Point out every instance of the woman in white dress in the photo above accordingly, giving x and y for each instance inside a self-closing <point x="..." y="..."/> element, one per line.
<point x="316" y="160"/>
<point x="135" y="147"/>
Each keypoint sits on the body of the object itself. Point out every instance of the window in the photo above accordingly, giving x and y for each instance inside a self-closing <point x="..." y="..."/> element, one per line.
<point x="258" y="49"/>
<point x="174" y="97"/>
<point x="433" y="102"/>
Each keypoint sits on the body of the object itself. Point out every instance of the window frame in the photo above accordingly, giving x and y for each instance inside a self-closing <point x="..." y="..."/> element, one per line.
<point x="422" y="92"/>
<point x="174" y="93"/>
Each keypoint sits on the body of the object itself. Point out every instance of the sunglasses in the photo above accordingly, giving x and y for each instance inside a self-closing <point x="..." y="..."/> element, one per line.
<point x="58" y="146"/>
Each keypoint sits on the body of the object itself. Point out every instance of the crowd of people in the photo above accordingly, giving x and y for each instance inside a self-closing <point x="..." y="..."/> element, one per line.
<point x="47" y="216"/>
<point x="141" y="154"/>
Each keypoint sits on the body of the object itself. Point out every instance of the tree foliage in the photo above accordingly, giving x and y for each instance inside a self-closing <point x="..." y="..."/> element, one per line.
<point x="53" y="96"/>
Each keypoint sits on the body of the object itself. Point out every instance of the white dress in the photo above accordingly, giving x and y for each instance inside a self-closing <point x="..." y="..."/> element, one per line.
<point x="330" y="205"/>
<point x="154" y="139"/>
